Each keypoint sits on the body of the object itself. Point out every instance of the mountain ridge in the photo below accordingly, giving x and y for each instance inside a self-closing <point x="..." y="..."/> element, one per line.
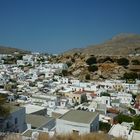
<point x="10" y="50"/>
<point x="122" y="44"/>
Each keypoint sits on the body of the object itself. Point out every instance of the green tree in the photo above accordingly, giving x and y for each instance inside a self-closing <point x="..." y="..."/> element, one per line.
<point x="136" y="123"/>
<point x="123" y="118"/>
<point x="4" y="111"/>
<point x="83" y="98"/>
<point x="105" y="94"/>
<point x="104" y="126"/>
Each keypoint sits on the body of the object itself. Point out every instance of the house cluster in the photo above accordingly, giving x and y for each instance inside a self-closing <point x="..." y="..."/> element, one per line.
<point x="41" y="99"/>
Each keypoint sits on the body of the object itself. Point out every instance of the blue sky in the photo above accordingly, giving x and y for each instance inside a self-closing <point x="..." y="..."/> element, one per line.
<point x="55" y="26"/>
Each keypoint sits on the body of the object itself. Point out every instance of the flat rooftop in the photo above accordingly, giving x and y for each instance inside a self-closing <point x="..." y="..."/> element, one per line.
<point x="79" y="116"/>
<point x="37" y="120"/>
<point x="32" y="108"/>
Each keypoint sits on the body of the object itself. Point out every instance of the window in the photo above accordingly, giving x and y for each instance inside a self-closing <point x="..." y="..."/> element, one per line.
<point x="16" y="120"/>
<point x="106" y="101"/>
<point x="96" y="128"/>
<point x="7" y="125"/>
<point x="75" y="132"/>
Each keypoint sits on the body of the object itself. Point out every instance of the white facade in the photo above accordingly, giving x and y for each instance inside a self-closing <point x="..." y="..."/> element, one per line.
<point x="119" y="131"/>
<point x="67" y="127"/>
<point x="124" y="98"/>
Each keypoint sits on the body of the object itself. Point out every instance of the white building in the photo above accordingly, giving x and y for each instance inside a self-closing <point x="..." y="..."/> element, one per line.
<point x="124" y="98"/>
<point x="135" y="135"/>
<point x="118" y="130"/>
<point x="76" y="121"/>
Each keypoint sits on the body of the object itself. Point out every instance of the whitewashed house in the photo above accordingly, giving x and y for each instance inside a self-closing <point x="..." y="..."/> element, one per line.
<point x="105" y="100"/>
<point x="77" y="121"/>
<point x="63" y="102"/>
<point x="27" y="58"/>
<point x="20" y="63"/>
<point x="120" y="130"/>
<point x="124" y="98"/>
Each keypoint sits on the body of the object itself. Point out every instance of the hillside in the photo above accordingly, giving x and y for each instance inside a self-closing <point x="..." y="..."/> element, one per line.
<point x="123" y="44"/>
<point x="111" y="60"/>
<point x="9" y="50"/>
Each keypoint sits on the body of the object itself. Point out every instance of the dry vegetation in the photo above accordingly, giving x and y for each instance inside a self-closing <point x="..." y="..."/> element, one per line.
<point x="91" y="136"/>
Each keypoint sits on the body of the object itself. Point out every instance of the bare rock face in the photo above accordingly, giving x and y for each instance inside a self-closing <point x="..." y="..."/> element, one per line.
<point x="110" y="71"/>
<point x="95" y="77"/>
<point x="76" y="73"/>
<point x="99" y="72"/>
<point x="106" y="70"/>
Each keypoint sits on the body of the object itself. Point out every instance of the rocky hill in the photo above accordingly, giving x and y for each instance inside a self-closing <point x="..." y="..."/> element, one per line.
<point x="113" y="59"/>
<point x="123" y="44"/>
<point x="9" y="50"/>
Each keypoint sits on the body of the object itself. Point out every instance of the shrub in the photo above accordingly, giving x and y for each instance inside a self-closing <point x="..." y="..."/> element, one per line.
<point x="135" y="62"/>
<point x="123" y="62"/>
<point x="73" y="60"/>
<point x="105" y="94"/>
<point x="123" y="118"/>
<point x="92" y="60"/>
<point x="64" y="72"/>
<point x="92" y="68"/>
<point x="130" y="75"/>
<point x="87" y="77"/>
<point x="136" y="123"/>
<point x="83" y="98"/>
<point x="69" y="63"/>
<point x="19" y="56"/>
